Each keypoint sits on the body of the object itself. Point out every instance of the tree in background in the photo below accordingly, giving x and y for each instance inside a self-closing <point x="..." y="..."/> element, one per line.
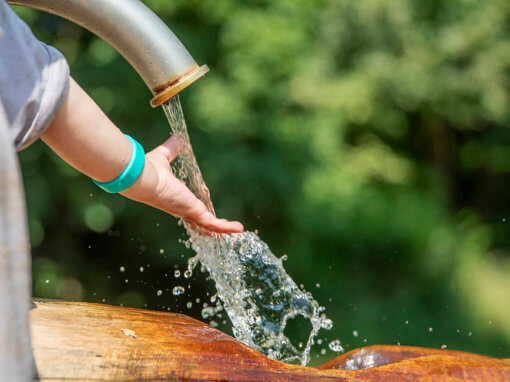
<point x="369" y="140"/>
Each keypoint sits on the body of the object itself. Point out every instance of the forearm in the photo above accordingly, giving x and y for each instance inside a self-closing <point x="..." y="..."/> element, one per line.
<point x="84" y="137"/>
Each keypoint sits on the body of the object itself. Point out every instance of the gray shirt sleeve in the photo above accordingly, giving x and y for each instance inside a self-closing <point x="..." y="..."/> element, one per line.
<point x="34" y="79"/>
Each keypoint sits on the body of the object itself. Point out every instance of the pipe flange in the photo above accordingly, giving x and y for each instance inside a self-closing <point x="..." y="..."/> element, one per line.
<point x="171" y="90"/>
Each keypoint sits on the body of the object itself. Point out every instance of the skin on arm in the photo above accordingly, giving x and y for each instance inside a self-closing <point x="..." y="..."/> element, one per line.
<point x="83" y="136"/>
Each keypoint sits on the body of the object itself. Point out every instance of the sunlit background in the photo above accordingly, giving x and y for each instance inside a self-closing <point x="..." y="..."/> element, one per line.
<point x="368" y="140"/>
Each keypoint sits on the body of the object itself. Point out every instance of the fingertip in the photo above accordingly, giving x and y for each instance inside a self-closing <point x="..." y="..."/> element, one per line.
<point x="239" y="228"/>
<point x="175" y="141"/>
<point x="232" y="227"/>
<point x="213" y="224"/>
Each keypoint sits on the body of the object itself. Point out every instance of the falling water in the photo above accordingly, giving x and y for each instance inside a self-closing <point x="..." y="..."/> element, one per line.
<point x="255" y="291"/>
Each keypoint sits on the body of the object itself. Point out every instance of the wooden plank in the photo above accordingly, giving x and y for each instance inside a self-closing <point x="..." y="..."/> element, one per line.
<point x="98" y="342"/>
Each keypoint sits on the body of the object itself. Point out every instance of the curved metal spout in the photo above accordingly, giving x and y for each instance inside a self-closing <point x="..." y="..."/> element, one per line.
<point x="138" y="34"/>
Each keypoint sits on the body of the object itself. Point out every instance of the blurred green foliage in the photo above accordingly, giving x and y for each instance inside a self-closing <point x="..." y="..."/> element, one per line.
<point x="369" y="140"/>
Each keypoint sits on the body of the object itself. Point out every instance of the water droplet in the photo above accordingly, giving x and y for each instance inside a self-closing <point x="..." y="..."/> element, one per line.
<point x="319" y="341"/>
<point x="355" y="333"/>
<point x="213" y="323"/>
<point x="284" y="257"/>
<point x="177" y="273"/>
<point x="335" y="346"/>
<point x="141" y="269"/>
<point x="159" y="292"/>
<point x="323" y="351"/>
<point x="188" y="273"/>
<point x="470" y="333"/>
<point x="189" y="305"/>
<point x="327" y="324"/>
<point x="178" y="290"/>
<point x="197" y="301"/>
<point x="490" y="322"/>
<point x="47" y="281"/>
<point x="431" y="330"/>
<point x="317" y="285"/>
<point x="300" y="345"/>
<point x="161" y="251"/>
<point x="407" y="322"/>
<point x="126" y="281"/>
<point x="443" y="346"/>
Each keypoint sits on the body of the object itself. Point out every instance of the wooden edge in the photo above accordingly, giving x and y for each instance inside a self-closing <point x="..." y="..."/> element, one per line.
<point x="91" y="342"/>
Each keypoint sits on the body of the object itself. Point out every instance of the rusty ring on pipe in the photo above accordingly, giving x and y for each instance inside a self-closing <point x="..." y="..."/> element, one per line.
<point x="169" y="91"/>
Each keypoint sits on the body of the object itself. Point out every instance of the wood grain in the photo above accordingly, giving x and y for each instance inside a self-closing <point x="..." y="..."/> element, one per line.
<point x="93" y="342"/>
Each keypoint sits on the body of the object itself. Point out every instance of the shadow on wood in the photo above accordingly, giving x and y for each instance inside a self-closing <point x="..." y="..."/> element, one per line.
<point x="84" y="341"/>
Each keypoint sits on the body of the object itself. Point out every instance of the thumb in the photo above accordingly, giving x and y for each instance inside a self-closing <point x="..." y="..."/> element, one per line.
<point x="168" y="149"/>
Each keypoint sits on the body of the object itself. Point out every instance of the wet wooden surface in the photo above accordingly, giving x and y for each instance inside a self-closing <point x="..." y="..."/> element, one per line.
<point x="95" y="342"/>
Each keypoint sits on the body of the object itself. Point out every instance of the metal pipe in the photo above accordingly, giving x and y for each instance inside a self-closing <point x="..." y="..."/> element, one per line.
<point x="138" y="34"/>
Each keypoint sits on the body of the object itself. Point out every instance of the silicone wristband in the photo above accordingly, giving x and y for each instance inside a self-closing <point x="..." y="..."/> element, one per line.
<point x="130" y="173"/>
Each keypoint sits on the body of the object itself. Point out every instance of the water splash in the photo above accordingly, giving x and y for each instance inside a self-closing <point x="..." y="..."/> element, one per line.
<point x="255" y="291"/>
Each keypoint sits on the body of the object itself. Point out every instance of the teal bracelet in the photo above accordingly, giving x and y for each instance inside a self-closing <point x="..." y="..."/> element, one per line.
<point x="130" y="173"/>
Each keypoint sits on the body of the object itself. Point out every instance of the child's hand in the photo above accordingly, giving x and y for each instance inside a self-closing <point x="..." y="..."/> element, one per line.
<point x="84" y="137"/>
<point x="158" y="187"/>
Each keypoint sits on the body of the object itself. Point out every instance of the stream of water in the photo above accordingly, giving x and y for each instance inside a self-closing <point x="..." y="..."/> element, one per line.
<point x="253" y="288"/>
